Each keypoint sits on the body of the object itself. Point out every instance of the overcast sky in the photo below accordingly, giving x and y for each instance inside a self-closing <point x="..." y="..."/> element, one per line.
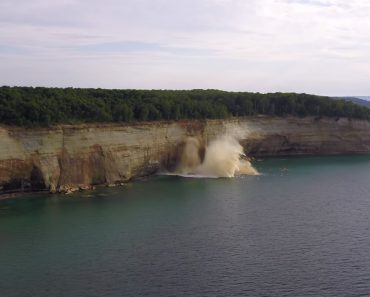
<point x="312" y="46"/>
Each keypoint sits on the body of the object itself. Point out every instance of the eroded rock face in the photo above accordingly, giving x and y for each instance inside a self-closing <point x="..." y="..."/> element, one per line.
<point x="69" y="158"/>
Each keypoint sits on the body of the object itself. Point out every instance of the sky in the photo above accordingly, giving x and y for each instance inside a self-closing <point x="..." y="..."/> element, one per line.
<point x="312" y="46"/>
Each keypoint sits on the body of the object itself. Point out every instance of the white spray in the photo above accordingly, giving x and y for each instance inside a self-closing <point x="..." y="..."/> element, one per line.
<point x="224" y="157"/>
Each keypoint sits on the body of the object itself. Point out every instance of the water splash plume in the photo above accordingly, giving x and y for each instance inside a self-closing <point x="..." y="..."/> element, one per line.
<point x="224" y="157"/>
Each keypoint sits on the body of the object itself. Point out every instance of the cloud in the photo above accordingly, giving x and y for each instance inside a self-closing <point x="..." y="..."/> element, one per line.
<point x="314" y="46"/>
<point x="312" y="2"/>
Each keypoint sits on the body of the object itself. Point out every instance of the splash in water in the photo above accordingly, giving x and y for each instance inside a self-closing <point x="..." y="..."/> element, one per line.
<point x="224" y="157"/>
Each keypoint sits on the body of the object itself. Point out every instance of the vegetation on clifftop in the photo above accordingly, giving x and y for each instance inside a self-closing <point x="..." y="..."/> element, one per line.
<point x="27" y="106"/>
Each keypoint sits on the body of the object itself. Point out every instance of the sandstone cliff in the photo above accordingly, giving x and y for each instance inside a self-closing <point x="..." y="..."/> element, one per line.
<point x="71" y="157"/>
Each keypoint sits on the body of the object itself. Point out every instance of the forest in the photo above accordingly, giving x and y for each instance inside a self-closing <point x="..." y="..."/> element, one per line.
<point x="39" y="106"/>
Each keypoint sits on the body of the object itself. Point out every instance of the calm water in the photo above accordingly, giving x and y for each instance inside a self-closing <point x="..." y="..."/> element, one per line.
<point x="300" y="229"/>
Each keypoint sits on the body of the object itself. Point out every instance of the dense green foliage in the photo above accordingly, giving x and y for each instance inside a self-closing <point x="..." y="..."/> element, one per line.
<point x="27" y="106"/>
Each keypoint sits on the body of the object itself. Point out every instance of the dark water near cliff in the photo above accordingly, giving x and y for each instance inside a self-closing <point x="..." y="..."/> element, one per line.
<point x="300" y="229"/>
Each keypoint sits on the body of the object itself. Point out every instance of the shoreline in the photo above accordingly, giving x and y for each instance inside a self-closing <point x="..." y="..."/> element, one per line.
<point x="16" y="194"/>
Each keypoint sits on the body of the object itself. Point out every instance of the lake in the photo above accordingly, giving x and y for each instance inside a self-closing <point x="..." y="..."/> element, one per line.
<point x="301" y="228"/>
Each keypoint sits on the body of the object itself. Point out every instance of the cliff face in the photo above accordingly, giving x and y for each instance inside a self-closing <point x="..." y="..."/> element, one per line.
<point x="68" y="157"/>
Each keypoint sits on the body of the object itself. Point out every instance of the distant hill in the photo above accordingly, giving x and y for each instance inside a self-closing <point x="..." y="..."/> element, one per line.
<point x="363" y="97"/>
<point x="359" y="100"/>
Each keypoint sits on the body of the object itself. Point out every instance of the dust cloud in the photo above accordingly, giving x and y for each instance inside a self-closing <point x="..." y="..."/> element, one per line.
<point x="223" y="157"/>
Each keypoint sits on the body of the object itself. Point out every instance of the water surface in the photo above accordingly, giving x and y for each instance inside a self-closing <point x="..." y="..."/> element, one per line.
<point x="302" y="228"/>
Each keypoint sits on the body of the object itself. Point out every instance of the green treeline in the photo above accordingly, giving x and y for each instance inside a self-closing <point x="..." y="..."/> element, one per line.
<point x="27" y="106"/>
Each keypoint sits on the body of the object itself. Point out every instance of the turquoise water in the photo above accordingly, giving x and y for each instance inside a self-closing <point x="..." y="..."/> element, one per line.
<point x="302" y="228"/>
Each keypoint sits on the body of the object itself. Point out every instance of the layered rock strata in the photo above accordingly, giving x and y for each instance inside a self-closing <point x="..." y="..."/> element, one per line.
<point x="71" y="157"/>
